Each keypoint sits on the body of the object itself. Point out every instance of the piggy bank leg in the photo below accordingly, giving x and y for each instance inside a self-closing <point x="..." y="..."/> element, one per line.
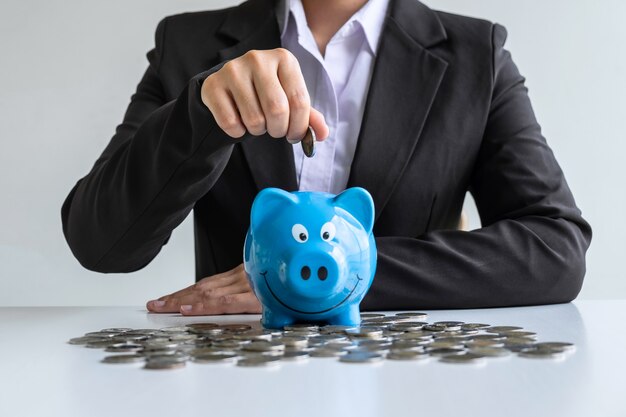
<point x="273" y="320"/>
<point x="350" y="316"/>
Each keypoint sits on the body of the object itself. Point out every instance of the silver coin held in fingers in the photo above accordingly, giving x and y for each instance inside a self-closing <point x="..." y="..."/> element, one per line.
<point x="308" y="142"/>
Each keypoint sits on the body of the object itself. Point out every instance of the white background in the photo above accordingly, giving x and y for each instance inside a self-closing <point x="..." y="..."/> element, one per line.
<point x="68" y="68"/>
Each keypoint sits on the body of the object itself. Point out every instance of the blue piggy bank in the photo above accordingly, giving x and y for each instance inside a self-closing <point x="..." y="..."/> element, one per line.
<point x="310" y="256"/>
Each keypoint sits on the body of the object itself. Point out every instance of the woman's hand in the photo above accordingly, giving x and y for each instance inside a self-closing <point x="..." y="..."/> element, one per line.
<point x="225" y="293"/>
<point x="262" y="91"/>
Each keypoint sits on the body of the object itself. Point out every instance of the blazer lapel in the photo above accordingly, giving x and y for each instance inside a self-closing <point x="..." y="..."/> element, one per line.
<point x="404" y="83"/>
<point x="253" y="25"/>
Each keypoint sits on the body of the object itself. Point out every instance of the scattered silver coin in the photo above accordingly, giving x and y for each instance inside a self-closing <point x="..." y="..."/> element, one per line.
<point x="131" y="358"/>
<point x="295" y="355"/>
<point x="488" y="337"/>
<point x="516" y="345"/>
<point x="183" y="337"/>
<point x="519" y="333"/>
<point x="445" y="351"/>
<point x="449" y="323"/>
<point x="82" y="340"/>
<point x="293" y="341"/>
<point x="322" y="340"/>
<point x="414" y="315"/>
<point x="366" y="332"/>
<point x="361" y="357"/>
<point x="203" y="326"/>
<point x="100" y="344"/>
<point x="408" y="326"/>
<point x="302" y="326"/>
<point x="215" y="358"/>
<point x="335" y="329"/>
<point x="498" y="329"/>
<point x="365" y="316"/>
<point x="235" y="327"/>
<point x="406" y="355"/>
<point x="326" y="353"/>
<point x="208" y="350"/>
<point x="566" y="347"/>
<point x="254" y="335"/>
<point x="341" y="345"/>
<point x="408" y="345"/>
<point x="263" y="346"/>
<point x="169" y="357"/>
<point x="463" y="358"/>
<point x="101" y="333"/>
<point x="434" y="328"/>
<point x="123" y="347"/>
<point x="381" y="350"/>
<point x="174" y="329"/>
<point x="228" y="344"/>
<point x="437" y="344"/>
<point x="490" y="351"/>
<point x="473" y="326"/>
<point x="541" y="353"/>
<point x="484" y="343"/>
<point x="302" y="333"/>
<point x="418" y="335"/>
<point x="254" y="361"/>
<point x="164" y="363"/>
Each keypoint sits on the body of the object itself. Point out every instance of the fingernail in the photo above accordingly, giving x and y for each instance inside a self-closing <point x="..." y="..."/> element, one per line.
<point x="158" y="303"/>
<point x="185" y="307"/>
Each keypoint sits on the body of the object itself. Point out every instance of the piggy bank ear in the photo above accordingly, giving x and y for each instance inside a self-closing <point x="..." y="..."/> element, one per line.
<point x="267" y="202"/>
<point x="358" y="202"/>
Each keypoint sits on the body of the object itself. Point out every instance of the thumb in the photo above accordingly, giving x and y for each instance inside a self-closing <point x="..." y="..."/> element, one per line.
<point x="318" y="123"/>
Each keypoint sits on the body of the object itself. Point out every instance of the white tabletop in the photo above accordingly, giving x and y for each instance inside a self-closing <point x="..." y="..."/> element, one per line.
<point x="42" y="375"/>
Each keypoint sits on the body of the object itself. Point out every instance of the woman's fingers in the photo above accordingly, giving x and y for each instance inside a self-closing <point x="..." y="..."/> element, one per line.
<point x="294" y="87"/>
<point x="243" y="91"/>
<point x="318" y="123"/>
<point x="173" y="304"/>
<point x="160" y="306"/>
<point x="205" y="291"/>
<point x="217" y="280"/>
<point x="226" y="304"/>
<point x="273" y="100"/>
<point x="224" y="109"/>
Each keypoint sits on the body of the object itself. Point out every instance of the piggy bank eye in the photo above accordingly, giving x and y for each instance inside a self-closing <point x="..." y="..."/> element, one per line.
<point x="299" y="233"/>
<point x="328" y="231"/>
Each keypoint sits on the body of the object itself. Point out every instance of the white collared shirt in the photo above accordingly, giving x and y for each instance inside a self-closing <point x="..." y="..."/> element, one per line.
<point x="337" y="83"/>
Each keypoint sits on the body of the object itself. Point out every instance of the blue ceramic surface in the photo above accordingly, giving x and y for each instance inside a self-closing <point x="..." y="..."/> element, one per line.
<point x="310" y="256"/>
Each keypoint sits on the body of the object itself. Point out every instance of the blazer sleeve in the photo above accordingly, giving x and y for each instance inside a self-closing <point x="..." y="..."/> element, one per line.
<point x="531" y="248"/>
<point x="164" y="156"/>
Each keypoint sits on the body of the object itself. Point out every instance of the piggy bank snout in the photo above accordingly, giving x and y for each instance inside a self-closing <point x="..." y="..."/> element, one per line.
<point x="315" y="275"/>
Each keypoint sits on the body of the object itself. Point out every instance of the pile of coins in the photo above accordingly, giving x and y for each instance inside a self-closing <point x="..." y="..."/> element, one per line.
<point x="399" y="337"/>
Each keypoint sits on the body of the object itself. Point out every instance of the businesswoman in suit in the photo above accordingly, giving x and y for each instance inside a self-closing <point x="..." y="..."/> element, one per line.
<point x="417" y="106"/>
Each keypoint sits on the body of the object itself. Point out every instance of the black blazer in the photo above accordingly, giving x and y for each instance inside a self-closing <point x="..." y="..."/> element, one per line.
<point x="447" y="112"/>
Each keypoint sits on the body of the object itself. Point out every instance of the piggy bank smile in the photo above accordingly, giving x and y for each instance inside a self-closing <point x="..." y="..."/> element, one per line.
<point x="310" y="256"/>
<point x="329" y="301"/>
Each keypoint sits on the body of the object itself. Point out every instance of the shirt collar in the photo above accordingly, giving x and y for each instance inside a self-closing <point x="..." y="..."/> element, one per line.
<point x="371" y="17"/>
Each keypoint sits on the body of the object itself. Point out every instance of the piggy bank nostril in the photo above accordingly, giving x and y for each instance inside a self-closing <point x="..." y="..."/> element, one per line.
<point x="305" y="272"/>
<point x="322" y="273"/>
